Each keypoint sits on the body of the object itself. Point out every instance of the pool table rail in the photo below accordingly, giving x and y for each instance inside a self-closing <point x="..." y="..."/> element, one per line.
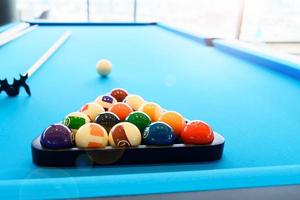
<point x="279" y="62"/>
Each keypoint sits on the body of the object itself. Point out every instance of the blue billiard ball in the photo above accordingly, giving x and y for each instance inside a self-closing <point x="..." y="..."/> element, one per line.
<point x="159" y="133"/>
<point x="57" y="136"/>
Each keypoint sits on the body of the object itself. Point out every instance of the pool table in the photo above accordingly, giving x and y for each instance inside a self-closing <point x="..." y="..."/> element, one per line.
<point x="249" y="96"/>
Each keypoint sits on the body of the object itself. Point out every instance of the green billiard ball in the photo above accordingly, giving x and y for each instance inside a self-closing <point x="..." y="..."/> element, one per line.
<point x="139" y="119"/>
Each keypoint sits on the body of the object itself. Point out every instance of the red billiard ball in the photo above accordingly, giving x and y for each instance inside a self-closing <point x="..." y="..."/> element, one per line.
<point x="119" y="94"/>
<point x="197" y="132"/>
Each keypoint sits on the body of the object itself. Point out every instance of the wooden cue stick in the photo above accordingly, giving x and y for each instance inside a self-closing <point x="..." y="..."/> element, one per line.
<point x="17" y="35"/>
<point x="48" y="53"/>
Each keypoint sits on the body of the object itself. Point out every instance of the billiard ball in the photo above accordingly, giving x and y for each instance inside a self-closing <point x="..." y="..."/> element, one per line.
<point x="139" y="119"/>
<point x="75" y="120"/>
<point x="159" y="133"/>
<point x="107" y="120"/>
<point x="106" y="101"/>
<point x="56" y="136"/>
<point x="153" y="110"/>
<point x="174" y="119"/>
<point x="197" y="132"/>
<point x="134" y="101"/>
<point x="124" y="134"/>
<point x="122" y="110"/>
<point x="91" y="135"/>
<point x="103" y="67"/>
<point x="119" y="94"/>
<point x="92" y="110"/>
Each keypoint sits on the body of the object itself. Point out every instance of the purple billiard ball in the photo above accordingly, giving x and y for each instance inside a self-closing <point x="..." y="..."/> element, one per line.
<point x="57" y="136"/>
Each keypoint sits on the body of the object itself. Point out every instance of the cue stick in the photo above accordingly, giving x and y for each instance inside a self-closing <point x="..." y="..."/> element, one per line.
<point x="48" y="53"/>
<point x="240" y="20"/>
<point x="134" y="10"/>
<point x="17" y="35"/>
<point x="14" y="29"/>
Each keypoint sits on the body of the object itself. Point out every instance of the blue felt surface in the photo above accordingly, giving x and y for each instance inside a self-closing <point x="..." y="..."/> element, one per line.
<point x="256" y="109"/>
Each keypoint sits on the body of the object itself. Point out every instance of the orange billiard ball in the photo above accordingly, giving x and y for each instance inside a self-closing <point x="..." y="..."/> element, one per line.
<point x="173" y="119"/>
<point x="197" y="132"/>
<point x="153" y="110"/>
<point x="122" y="110"/>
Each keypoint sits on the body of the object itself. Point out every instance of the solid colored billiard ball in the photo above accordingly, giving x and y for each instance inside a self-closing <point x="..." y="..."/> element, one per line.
<point x="159" y="133"/>
<point x="103" y="67"/>
<point x="119" y="94"/>
<point x="107" y="120"/>
<point x="106" y="101"/>
<point x="153" y="110"/>
<point x="91" y="135"/>
<point x="134" y="101"/>
<point x="92" y="110"/>
<point x="122" y="110"/>
<point x="124" y="134"/>
<point x="56" y="136"/>
<point x="75" y="120"/>
<point x="139" y="119"/>
<point x="197" y="132"/>
<point x="174" y="119"/>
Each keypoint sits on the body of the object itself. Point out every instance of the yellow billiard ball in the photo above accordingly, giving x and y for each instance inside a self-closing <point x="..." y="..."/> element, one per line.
<point x="134" y="101"/>
<point x="92" y="110"/>
<point x="153" y="110"/>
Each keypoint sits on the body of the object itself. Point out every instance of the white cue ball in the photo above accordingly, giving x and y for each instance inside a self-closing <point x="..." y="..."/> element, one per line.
<point x="103" y="67"/>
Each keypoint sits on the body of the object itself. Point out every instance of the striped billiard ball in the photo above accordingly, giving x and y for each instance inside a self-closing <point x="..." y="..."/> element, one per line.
<point x="75" y="120"/>
<point x="91" y="135"/>
<point x="124" y="134"/>
<point x="106" y="101"/>
<point x="92" y="110"/>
